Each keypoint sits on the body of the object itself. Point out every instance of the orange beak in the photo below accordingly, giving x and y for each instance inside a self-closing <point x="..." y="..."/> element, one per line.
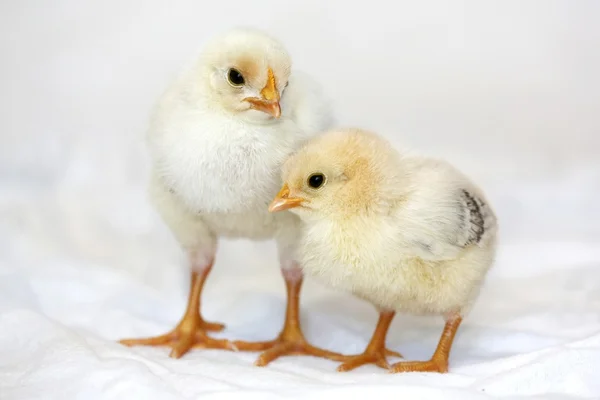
<point x="269" y="103"/>
<point x="283" y="201"/>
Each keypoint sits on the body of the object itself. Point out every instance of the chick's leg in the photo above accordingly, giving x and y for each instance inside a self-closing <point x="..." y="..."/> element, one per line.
<point x="439" y="360"/>
<point x="376" y="352"/>
<point x="291" y="340"/>
<point x="191" y="330"/>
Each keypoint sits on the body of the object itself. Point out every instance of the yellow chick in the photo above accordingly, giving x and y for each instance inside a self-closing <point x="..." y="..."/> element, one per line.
<point x="408" y="233"/>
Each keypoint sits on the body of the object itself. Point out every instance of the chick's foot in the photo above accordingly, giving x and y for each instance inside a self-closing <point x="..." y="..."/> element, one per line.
<point x="378" y="357"/>
<point x="375" y="353"/>
<point x="191" y="330"/>
<point x="440" y="366"/>
<point x="288" y="343"/>
<point x="439" y="361"/>
<point x="189" y="333"/>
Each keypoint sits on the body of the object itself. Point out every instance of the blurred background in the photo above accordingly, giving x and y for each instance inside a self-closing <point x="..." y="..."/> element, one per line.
<point x="508" y="91"/>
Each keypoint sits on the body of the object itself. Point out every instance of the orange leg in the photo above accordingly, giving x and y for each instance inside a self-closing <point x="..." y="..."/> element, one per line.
<point x="191" y="330"/>
<point x="375" y="353"/>
<point x="290" y="341"/>
<point x="439" y="360"/>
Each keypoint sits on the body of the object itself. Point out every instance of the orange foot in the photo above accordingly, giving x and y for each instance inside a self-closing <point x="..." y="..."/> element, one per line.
<point x="190" y="332"/>
<point x="289" y="343"/>
<point x="433" y="365"/>
<point x="377" y="357"/>
<point x="439" y="360"/>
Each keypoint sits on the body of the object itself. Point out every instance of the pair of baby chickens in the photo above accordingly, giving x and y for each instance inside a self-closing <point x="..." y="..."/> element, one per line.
<point x="407" y="233"/>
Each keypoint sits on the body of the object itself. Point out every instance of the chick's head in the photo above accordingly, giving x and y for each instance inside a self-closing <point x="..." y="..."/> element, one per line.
<point x="245" y="72"/>
<point x="339" y="174"/>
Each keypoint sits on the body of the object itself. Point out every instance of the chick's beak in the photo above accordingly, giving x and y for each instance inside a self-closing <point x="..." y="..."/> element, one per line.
<point x="283" y="201"/>
<point x="269" y="101"/>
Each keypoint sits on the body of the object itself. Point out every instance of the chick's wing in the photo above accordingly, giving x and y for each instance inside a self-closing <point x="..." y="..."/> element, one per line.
<point x="438" y="226"/>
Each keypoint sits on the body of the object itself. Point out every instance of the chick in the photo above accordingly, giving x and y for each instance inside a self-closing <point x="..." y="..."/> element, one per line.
<point x="407" y="233"/>
<point x="218" y="138"/>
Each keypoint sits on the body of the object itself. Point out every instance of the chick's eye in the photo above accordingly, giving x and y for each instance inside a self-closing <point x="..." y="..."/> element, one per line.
<point x="235" y="77"/>
<point x="315" y="181"/>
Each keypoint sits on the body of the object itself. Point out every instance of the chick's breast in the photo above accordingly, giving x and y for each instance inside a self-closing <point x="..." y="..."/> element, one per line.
<point x="220" y="164"/>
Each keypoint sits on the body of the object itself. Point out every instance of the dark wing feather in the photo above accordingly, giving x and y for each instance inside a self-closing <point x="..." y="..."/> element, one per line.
<point x="473" y="218"/>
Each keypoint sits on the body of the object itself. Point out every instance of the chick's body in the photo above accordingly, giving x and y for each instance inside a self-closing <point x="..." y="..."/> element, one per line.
<point x="405" y="232"/>
<point x="414" y="256"/>
<point x="218" y="137"/>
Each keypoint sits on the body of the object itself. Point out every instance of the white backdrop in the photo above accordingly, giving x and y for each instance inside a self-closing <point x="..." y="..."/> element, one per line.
<point x="509" y="91"/>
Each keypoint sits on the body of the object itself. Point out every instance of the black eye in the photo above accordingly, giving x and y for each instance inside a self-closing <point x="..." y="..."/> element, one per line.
<point x="235" y="77"/>
<point x="315" y="181"/>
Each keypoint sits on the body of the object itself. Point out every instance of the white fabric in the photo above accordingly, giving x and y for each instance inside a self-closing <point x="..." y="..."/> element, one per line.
<point x="535" y="330"/>
<point x="507" y="92"/>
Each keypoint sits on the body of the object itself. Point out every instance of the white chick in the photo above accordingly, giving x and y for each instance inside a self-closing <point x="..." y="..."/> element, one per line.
<point x="218" y="138"/>
<point x="407" y="233"/>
